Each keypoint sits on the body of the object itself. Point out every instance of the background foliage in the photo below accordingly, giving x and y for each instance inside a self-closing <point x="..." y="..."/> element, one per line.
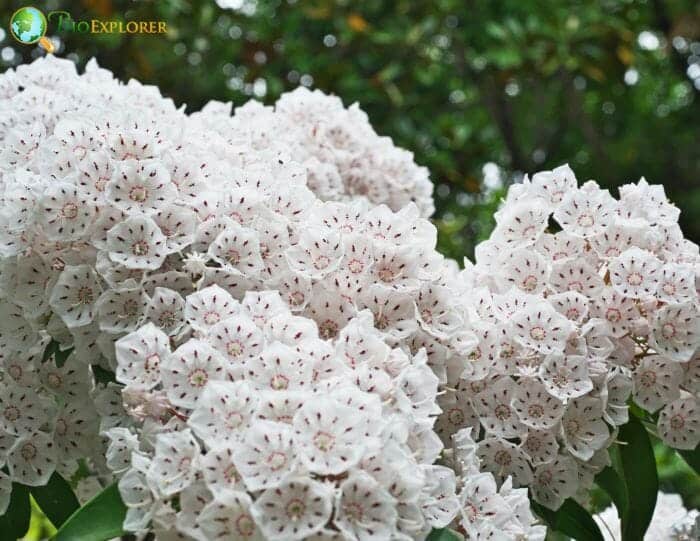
<point x="481" y="91"/>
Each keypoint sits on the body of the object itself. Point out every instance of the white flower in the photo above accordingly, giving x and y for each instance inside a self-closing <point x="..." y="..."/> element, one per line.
<point x="75" y="295"/>
<point x="679" y="423"/>
<point x="327" y="434"/>
<point x="229" y="517"/>
<point x="656" y="382"/>
<point x="297" y="508"/>
<point x="140" y="355"/>
<point x="534" y="406"/>
<point x="365" y="510"/>
<point x="187" y="370"/>
<point x="208" y="307"/>
<point x="583" y="428"/>
<point x="555" y="481"/>
<point x="32" y="459"/>
<point x="635" y="273"/>
<point x="174" y="461"/>
<point x="676" y="331"/>
<point x="541" y="328"/>
<point x="140" y="187"/>
<point x="266" y="456"/>
<point x="137" y="243"/>
<point x="223" y="411"/>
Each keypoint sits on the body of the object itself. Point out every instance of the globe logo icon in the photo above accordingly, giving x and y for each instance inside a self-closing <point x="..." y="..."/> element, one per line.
<point x="28" y="25"/>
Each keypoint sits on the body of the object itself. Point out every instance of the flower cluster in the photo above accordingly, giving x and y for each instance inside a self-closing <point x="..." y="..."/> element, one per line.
<point x="487" y="511"/>
<point x="246" y="349"/>
<point x="254" y="427"/>
<point x="578" y="301"/>
<point x="343" y="156"/>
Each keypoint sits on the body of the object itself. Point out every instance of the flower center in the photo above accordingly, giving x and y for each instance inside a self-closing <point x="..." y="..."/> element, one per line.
<point x="138" y="194"/>
<point x="28" y="451"/>
<point x="677" y="422"/>
<point x="234" y="420"/>
<point x="295" y="509"/>
<point x="354" y="511"/>
<point x="648" y="379"/>
<point x="296" y="298"/>
<point x="585" y="220"/>
<point x="356" y="266"/>
<point x="322" y="262"/>
<point x="85" y="295"/>
<point x="635" y="279"/>
<point x="167" y="319"/>
<point x="276" y="461"/>
<point x="455" y="416"/>
<point x="54" y="380"/>
<point x="328" y="329"/>
<point x="386" y="274"/>
<point x="211" y="317"/>
<point x="245" y="526"/>
<point x="11" y="413"/>
<point x="198" y="377"/>
<point x="140" y="248"/>
<point x="233" y="257"/>
<point x="502" y="412"/>
<point x="535" y="410"/>
<point x="668" y="288"/>
<point x="152" y="362"/>
<point x="502" y="458"/>
<point x="576" y="286"/>
<point x="613" y="315"/>
<point x="69" y="211"/>
<point x="529" y="283"/>
<point x="572" y="427"/>
<point x="324" y="441"/>
<point x="234" y="348"/>
<point x="538" y="333"/>
<point x="668" y="330"/>
<point x="61" y="427"/>
<point x="279" y="382"/>
<point x="572" y="313"/>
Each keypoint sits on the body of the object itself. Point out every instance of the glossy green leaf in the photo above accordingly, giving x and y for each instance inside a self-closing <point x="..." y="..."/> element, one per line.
<point x="639" y="470"/>
<point x="98" y="520"/>
<point x="15" y="522"/>
<point x="692" y="458"/>
<point x="570" y="519"/>
<point x="56" y="500"/>
<point x="610" y="481"/>
<point x="444" y="534"/>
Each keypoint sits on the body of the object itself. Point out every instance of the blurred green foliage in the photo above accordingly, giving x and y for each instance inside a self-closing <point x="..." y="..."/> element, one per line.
<point x="610" y="87"/>
<point x="481" y="91"/>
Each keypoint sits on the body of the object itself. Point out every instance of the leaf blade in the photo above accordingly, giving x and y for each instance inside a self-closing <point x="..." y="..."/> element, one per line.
<point x="56" y="499"/>
<point x="570" y="519"/>
<point x="444" y="534"/>
<point x="639" y="469"/>
<point x="692" y="458"/>
<point x="99" y="519"/>
<point x="15" y="522"/>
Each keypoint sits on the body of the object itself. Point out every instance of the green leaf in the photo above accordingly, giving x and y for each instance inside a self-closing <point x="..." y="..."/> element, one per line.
<point x="56" y="500"/>
<point x="639" y="470"/>
<point x="98" y="520"/>
<point x="15" y="522"/>
<point x="610" y="481"/>
<point x="692" y="458"/>
<point x="570" y="519"/>
<point x="444" y="534"/>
